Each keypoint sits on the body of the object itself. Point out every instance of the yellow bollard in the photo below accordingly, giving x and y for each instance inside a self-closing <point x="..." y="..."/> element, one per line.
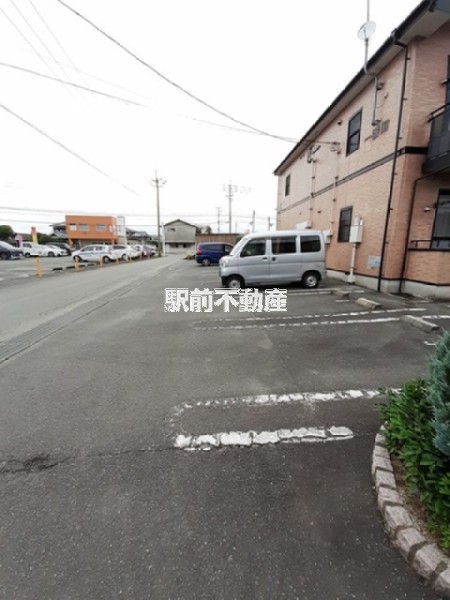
<point x="38" y="267"/>
<point x="100" y="263"/>
<point x="117" y="260"/>
<point x="77" y="268"/>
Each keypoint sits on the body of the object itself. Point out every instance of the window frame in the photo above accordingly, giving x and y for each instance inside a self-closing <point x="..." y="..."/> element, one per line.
<point x="436" y="241"/>
<point x="253" y="241"/>
<point x="287" y="185"/>
<point x="351" y="135"/>
<point x="344" y="228"/>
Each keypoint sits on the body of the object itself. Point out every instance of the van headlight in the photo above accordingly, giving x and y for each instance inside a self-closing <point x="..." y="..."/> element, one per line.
<point x="224" y="261"/>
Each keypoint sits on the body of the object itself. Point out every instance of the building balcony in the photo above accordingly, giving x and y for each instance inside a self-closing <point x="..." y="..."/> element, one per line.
<point x="438" y="155"/>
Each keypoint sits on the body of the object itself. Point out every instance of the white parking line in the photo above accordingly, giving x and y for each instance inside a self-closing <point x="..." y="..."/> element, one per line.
<point x="356" y="313"/>
<point x="246" y="439"/>
<point x="276" y="399"/>
<point x="317" y="323"/>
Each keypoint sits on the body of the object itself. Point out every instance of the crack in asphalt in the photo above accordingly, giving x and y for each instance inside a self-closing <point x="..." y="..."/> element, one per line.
<point x="44" y="462"/>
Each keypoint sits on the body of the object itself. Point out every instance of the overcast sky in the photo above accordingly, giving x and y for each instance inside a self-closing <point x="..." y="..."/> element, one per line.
<point x="275" y="66"/>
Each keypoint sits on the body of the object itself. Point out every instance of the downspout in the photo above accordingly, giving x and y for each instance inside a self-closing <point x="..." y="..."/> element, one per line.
<point x="394" y="161"/>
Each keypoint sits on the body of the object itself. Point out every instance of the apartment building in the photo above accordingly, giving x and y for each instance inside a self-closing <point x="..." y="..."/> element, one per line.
<point x="373" y="172"/>
<point x="88" y="229"/>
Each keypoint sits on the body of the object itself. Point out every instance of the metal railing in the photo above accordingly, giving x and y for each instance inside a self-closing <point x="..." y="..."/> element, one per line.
<point x="433" y="244"/>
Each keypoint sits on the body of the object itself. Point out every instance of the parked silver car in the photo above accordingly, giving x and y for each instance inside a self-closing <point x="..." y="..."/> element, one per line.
<point x="94" y="253"/>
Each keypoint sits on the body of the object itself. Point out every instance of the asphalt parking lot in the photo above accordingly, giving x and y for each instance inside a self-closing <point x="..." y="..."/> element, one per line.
<point x="110" y="395"/>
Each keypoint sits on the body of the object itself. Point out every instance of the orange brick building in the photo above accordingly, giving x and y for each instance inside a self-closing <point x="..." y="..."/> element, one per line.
<point x="88" y="229"/>
<point x="373" y="172"/>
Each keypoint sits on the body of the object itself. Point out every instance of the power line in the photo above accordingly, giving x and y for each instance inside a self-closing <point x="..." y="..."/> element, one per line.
<point x="82" y="87"/>
<point x="37" y="36"/>
<point x="167" y="79"/>
<point x="57" y="41"/>
<point x="72" y="152"/>
<point x="67" y="211"/>
<point x="203" y="121"/>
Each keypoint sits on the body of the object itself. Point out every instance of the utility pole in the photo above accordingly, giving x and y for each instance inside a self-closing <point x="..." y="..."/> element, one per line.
<point x="269" y="224"/>
<point x="253" y="222"/>
<point x="158" y="182"/>
<point x="230" y="189"/>
<point x="218" y="218"/>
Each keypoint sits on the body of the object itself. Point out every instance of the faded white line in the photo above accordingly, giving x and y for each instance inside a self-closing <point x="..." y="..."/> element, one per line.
<point x="317" y="323"/>
<point x="354" y="313"/>
<point x="246" y="439"/>
<point x="277" y="399"/>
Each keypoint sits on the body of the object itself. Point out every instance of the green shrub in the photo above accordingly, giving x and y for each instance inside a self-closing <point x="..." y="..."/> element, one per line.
<point x="439" y="391"/>
<point x="409" y="421"/>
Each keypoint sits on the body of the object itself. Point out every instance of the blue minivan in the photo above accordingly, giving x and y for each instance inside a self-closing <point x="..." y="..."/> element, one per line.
<point x="209" y="253"/>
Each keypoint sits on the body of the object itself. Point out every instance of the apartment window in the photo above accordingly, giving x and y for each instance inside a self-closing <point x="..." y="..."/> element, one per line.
<point x="447" y="89"/>
<point x="100" y="227"/>
<point x="72" y="227"/>
<point x="354" y="133"/>
<point x="441" y="228"/>
<point x="287" y="185"/>
<point x="283" y="245"/>
<point x="83" y="227"/>
<point x="345" y="221"/>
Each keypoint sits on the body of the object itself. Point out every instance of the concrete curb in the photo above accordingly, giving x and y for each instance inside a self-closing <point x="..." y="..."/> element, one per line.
<point x="420" y="323"/>
<point x="368" y="303"/>
<point x="425" y="558"/>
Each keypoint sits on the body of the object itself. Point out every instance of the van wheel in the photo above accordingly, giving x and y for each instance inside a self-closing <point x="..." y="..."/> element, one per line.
<point x="206" y="262"/>
<point x="106" y="259"/>
<point x="234" y="282"/>
<point x="310" y="280"/>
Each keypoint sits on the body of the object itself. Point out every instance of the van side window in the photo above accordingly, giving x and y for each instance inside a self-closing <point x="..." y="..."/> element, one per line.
<point x="254" y="248"/>
<point x="283" y="245"/>
<point x="310" y="243"/>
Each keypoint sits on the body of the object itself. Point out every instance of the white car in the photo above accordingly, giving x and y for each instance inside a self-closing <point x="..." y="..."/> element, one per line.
<point x="124" y="251"/>
<point x="49" y="250"/>
<point x="94" y="253"/>
<point x="32" y="249"/>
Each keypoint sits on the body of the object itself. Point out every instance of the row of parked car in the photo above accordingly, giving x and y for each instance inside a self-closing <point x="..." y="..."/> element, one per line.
<point x="90" y="253"/>
<point x="108" y="253"/>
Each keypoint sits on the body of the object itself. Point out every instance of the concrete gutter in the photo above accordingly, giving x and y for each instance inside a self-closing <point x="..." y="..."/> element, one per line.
<point x="425" y="558"/>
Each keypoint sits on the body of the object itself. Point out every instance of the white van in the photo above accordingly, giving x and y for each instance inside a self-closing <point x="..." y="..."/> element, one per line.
<point x="275" y="257"/>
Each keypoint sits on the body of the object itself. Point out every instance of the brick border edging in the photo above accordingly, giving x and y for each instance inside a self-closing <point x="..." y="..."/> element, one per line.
<point x="424" y="557"/>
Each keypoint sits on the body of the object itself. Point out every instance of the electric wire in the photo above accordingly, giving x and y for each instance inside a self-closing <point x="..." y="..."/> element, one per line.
<point x="58" y="43"/>
<point x="129" y="101"/>
<point x="72" y="152"/>
<point x="82" y="87"/>
<point x="37" y="37"/>
<point x="167" y="79"/>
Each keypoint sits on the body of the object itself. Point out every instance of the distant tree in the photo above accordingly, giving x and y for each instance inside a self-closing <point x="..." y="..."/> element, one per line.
<point x="6" y="232"/>
<point x="208" y="230"/>
<point x="43" y="238"/>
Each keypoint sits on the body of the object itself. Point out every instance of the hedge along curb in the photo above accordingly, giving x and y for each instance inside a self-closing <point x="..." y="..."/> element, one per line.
<point x="425" y="558"/>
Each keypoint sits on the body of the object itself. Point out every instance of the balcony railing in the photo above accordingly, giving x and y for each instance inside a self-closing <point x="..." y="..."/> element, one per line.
<point x="433" y="244"/>
<point x="438" y="155"/>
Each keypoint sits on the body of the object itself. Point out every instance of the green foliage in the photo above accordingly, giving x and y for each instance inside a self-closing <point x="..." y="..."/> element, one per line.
<point x="439" y="392"/>
<point x="409" y="422"/>
<point x="6" y="232"/>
